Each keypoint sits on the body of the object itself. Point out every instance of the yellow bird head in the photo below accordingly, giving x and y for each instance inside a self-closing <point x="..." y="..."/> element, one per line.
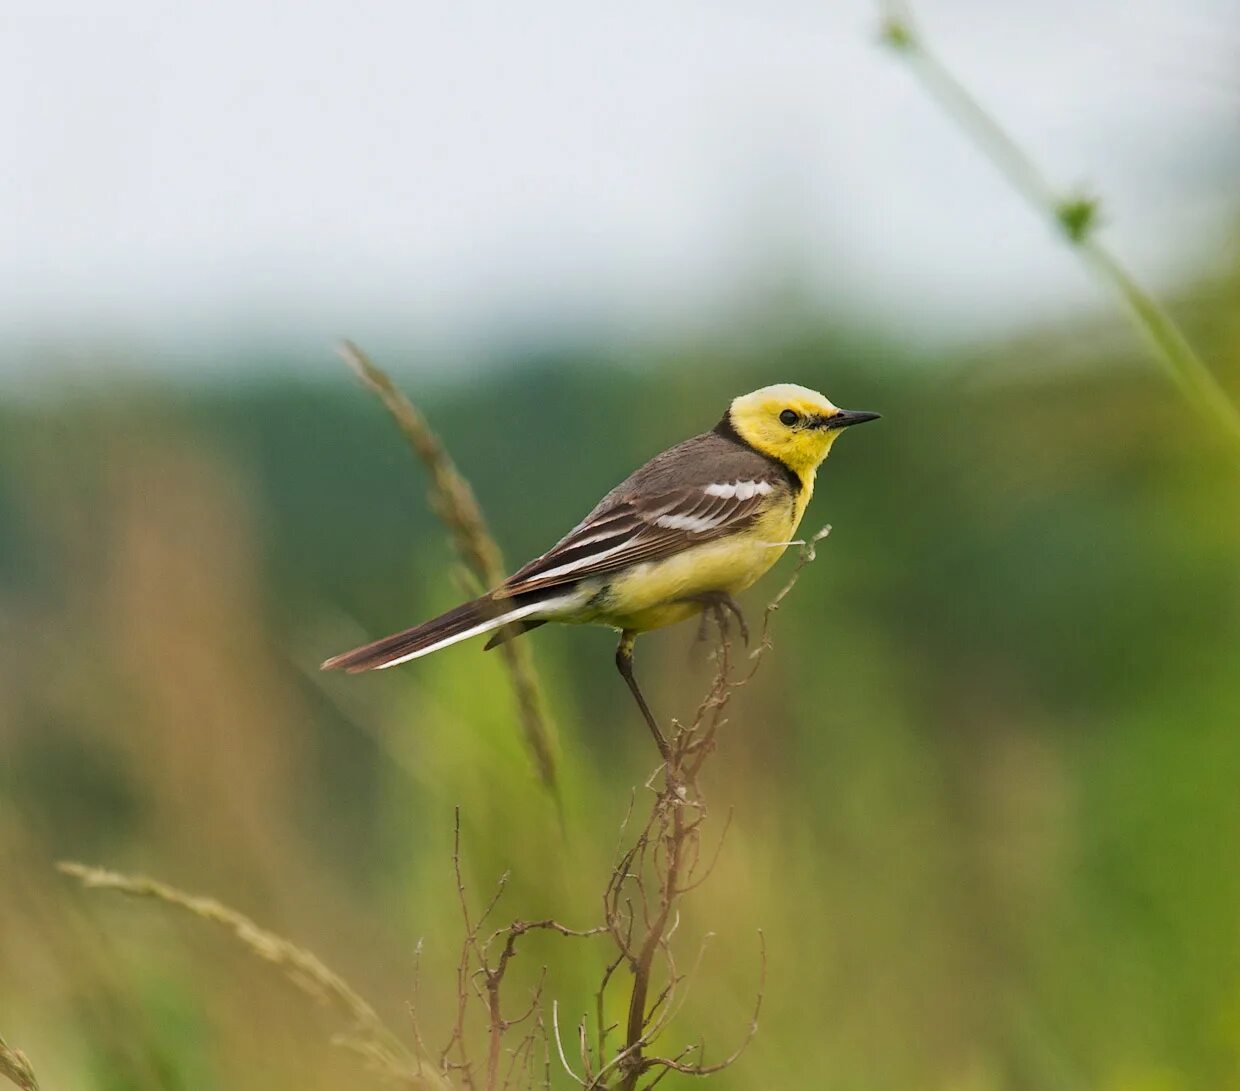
<point x="791" y="423"/>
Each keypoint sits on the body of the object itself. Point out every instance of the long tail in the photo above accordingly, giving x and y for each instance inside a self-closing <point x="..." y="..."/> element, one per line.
<point x="471" y="619"/>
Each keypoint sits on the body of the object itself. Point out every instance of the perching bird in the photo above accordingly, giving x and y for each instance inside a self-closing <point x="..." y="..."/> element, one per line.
<point x="687" y="531"/>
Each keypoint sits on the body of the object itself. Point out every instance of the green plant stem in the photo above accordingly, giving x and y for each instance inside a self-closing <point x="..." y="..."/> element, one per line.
<point x="1075" y="215"/>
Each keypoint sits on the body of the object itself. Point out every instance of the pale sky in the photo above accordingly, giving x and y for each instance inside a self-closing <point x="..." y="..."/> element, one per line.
<point x="186" y="176"/>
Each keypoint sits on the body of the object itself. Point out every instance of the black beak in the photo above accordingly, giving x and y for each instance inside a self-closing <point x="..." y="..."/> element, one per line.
<point x="846" y="418"/>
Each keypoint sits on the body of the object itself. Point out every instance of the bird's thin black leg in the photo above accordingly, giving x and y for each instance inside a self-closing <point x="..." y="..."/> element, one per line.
<point x="624" y="664"/>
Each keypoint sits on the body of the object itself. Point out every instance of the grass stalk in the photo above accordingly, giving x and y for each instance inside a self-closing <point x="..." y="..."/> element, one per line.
<point x="453" y="501"/>
<point x="369" y="1036"/>
<point x="16" y="1067"/>
<point x="1075" y="215"/>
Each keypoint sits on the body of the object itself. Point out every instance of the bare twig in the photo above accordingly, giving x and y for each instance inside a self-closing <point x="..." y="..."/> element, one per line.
<point x="559" y="1042"/>
<point x="453" y="501"/>
<point x="468" y="946"/>
<point x="660" y="866"/>
<point x="702" y="1069"/>
<point x="369" y="1035"/>
<point x="806" y="556"/>
<point x="1076" y="215"/>
<point x="415" y="1006"/>
<point x="484" y="964"/>
<point x="15" y="1066"/>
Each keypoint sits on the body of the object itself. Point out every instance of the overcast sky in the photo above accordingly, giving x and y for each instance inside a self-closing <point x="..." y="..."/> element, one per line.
<point x="181" y="176"/>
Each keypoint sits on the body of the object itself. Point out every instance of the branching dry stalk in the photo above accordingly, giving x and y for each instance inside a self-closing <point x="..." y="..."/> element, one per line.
<point x="15" y="1066"/>
<point x="368" y="1035"/>
<point x="481" y="970"/>
<point x="1076" y="215"/>
<point x="453" y="501"/>
<point x="664" y="862"/>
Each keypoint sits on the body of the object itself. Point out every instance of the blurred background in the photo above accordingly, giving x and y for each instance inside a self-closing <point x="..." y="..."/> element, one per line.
<point x="985" y="790"/>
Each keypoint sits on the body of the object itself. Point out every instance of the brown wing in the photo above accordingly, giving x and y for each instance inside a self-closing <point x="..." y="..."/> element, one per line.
<point x="645" y="528"/>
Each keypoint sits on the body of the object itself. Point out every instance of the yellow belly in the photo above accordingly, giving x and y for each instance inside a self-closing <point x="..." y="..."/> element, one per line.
<point x="649" y="596"/>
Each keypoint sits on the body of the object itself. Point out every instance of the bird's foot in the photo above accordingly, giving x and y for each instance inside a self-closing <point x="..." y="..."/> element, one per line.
<point x="719" y="604"/>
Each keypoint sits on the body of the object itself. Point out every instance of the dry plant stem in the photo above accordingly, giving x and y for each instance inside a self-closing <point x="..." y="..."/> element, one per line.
<point x="482" y="967"/>
<point x="369" y="1036"/>
<point x="662" y="864"/>
<point x="1075" y="215"/>
<point x="453" y="501"/>
<point x="15" y="1066"/>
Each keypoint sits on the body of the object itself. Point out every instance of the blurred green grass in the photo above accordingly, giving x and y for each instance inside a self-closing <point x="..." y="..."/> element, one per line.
<point x="985" y="787"/>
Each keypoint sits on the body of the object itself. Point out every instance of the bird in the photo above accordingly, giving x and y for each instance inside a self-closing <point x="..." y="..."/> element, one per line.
<point x="683" y="534"/>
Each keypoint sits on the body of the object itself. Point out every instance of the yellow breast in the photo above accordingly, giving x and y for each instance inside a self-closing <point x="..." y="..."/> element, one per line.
<point x="649" y="596"/>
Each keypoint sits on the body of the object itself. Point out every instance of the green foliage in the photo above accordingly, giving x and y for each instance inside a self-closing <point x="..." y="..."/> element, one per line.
<point x="984" y="788"/>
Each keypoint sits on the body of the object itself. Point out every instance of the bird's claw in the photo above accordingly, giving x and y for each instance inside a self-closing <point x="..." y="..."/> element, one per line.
<point x="734" y="608"/>
<point x="720" y="604"/>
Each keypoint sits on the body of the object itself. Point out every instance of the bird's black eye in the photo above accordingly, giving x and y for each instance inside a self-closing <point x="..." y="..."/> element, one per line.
<point x="788" y="417"/>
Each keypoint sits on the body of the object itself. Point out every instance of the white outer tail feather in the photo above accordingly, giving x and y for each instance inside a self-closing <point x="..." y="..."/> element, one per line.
<point x="483" y="627"/>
